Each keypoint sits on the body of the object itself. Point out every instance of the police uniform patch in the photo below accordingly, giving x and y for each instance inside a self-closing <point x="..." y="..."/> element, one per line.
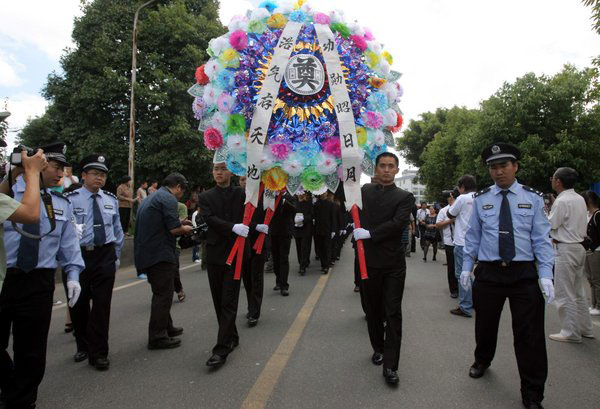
<point x="532" y="190"/>
<point x="487" y="206"/>
<point x="524" y="205"/>
<point x="109" y="193"/>
<point x="108" y="207"/>
<point x="58" y="212"/>
<point x="482" y="191"/>
<point x="78" y="210"/>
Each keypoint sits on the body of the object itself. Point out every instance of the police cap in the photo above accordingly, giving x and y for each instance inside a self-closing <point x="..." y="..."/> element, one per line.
<point x="94" y="161"/>
<point x="500" y="152"/>
<point x="56" y="151"/>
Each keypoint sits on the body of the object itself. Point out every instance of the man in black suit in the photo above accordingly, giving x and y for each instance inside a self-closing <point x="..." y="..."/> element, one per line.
<point x="303" y="225"/>
<point x="384" y="216"/>
<point x="282" y="229"/>
<point x="324" y="214"/>
<point x="223" y="209"/>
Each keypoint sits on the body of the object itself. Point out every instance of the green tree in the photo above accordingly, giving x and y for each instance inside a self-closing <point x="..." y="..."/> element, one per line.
<point x="89" y="100"/>
<point x="419" y="133"/>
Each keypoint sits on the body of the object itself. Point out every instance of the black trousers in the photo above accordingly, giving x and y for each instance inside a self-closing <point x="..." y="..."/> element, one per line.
<point x="527" y="310"/>
<point x="254" y="273"/>
<point x="303" y="248"/>
<point x="382" y="294"/>
<point x="91" y="324"/>
<point x="421" y="236"/>
<point x="26" y="307"/>
<point x="357" y="281"/>
<point x="225" y="293"/>
<point x="452" y="282"/>
<point x="124" y="213"/>
<point x="322" y="248"/>
<point x="161" y="277"/>
<point x="280" y="249"/>
<point x="177" y="286"/>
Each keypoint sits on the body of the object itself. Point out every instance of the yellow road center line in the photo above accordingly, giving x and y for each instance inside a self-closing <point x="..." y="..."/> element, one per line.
<point x="122" y="287"/>
<point x="263" y="387"/>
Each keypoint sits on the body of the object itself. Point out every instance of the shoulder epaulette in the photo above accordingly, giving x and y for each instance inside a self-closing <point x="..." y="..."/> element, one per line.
<point x="58" y="194"/>
<point x="482" y="191"/>
<point x="110" y="194"/>
<point x="71" y="193"/>
<point x="532" y="190"/>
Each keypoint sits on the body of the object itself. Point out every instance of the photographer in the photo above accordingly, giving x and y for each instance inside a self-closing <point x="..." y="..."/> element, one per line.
<point x="156" y="227"/>
<point x="28" y="210"/>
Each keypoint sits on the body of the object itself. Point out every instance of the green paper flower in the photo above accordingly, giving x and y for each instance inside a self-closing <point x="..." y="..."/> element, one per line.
<point x="257" y="26"/>
<point x="341" y="28"/>
<point x="311" y="179"/>
<point x="236" y="124"/>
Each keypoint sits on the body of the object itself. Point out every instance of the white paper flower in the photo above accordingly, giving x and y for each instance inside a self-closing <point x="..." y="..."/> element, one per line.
<point x="293" y="166"/>
<point x="259" y="14"/>
<point x="219" y="121"/>
<point x="389" y="117"/>
<point x="390" y="91"/>
<point x="236" y="143"/>
<point x="219" y="44"/>
<point x="211" y="94"/>
<point x="238" y="23"/>
<point x="325" y="164"/>
<point x="267" y="161"/>
<point x="212" y="68"/>
<point x="374" y="46"/>
<point x="378" y="137"/>
<point x="336" y="16"/>
<point x="356" y="29"/>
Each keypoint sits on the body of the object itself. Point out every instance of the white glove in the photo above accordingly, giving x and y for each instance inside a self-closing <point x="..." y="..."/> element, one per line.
<point x="352" y="225"/>
<point x="548" y="289"/>
<point x="465" y="280"/>
<point x="117" y="264"/>
<point x="73" y="291"/>
<point x="263" y="228"/>
<point x="79" y="230"/>
<point x="241" y="229"/>
<point x="299" y="218"/>
<point x="342" y="232"/>
<point x="332" y="234"/>
<point x="361" y="234"/>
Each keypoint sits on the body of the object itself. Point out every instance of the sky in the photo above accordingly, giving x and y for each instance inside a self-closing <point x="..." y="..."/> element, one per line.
<point x="450" y="52"/>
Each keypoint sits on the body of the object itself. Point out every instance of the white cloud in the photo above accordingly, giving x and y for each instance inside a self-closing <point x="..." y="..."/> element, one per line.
<point x="9" y="68"/>
<point x="46" y="25"/>
<point x="22" y="107"/>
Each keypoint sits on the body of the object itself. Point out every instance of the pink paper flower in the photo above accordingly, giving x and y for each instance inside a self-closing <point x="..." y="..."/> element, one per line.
<point x="321" y="18"/>
<point x="359" y="42"/>
<point x="238" y="40"/>
<point x="374" y="119"/>
<point x="332" y="147"/>
<point x="213" y="139"/>
<point x="280" y="151"/>
<point x="368" y="34"/>
<point x="225" y="103"/>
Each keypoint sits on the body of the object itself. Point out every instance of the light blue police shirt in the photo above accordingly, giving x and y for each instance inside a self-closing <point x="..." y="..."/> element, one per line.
<point x="530" y="225"/>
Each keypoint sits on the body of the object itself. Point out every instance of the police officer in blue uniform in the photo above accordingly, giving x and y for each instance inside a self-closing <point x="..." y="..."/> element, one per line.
<point x="508" y="236"/>
<point x="26" y="297"/>
<point x="97" y="216"/>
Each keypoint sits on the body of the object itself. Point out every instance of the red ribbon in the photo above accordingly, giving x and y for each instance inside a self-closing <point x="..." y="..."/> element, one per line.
<point x="260" y="241"/>
<point x="359" y="245"/>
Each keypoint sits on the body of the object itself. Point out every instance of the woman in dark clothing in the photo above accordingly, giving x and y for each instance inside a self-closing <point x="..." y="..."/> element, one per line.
<point x="431" y="234"/>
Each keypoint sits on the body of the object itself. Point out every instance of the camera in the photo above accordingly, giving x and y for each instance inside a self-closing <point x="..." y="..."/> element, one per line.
<point x="196" y="236"/>
<point x="15" y="157"/>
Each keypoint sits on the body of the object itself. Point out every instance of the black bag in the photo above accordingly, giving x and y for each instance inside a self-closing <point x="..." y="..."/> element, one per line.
<point x="196" y="236"/>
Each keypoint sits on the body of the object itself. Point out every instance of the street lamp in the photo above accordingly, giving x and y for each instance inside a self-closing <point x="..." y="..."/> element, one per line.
<point x="130" y="165"/>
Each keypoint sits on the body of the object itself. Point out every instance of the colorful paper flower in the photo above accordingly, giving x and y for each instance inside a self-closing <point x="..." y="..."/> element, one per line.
<point x="267" y="160"/>
<point x="238" y="23"/>
<point x="298" y="16"/>
<point x="293" y="166"/>
<point x="377" y="101"/>
<point x="236" y="144"/>
<point x="280" y="151"/>
<point x="340" y="28"/>
<point x="359" y="42"/>
<point x="311" y="179"/>
<point x="332" y="147"/>
<point x="201" y="77"/>
<point x="378" y="137"/>
<point x="398" y="125"/>
<point x="274" y="179"/>
<point x="211" y="68"/>
<point x="377" y="82"/>
<point x="368" y="34"/>
<point x="225" y="102"/>
<point x="372" y="59"/>
<point x="211" y="94"/>
<point x="199" y="107"/>
<point x="361" y="135"/>
<point x="277" y="20"/>
<point x="219" y="121"/>
<point x="373" y="119"/>
<point x="236" y="124"/>
<point x="321" y="18"/>
<point x="235" y="165"/>
<point x="238" y="40"/>
<point x="256" y="26"/>
<point x="230" y="58"/>
<point x="213" y="139"/>
<point x="269" y="5"/>
<point x="225" y="80"/>
<point x="325" y="164"/>
<point x="218" y="45"/>
<point x="388" y="57"/>
<point x="390" y="117"/>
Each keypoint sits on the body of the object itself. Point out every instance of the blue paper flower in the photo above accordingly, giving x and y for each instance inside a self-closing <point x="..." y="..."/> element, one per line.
<point x="226" y="80"/>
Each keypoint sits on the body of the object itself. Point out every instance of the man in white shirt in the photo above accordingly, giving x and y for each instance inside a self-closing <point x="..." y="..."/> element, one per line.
<point x="461" y="211"/>
<point x="568" y="219"/>
<point x="446" y="225"/>
<point x="69" y="178"/>
<point x="422" y="214"/>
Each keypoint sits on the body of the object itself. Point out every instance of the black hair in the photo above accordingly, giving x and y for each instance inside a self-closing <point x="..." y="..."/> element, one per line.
<point x="567" y="176"/>
<point x="388" y="155"/>
<point x="125" y="179"/>
<point x="591" y="197"/>
<point x="455" y="193"/>
<point x="175" y="179"/>
<point x="468" y="182"/>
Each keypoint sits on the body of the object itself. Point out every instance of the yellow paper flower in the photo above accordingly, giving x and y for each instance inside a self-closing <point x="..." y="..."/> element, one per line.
<point x="388" y="57"/>
<point x="274" y="179"/>
<point x="298" y="4"/>
<point x="372" y="59"/>
<point x="230" y="58"/>
<point x="361" y="135"/>
<point x="277" y="20"/>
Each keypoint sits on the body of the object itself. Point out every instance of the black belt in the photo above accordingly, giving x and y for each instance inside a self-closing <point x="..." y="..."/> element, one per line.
<point x="14" y="270"/>
<point x="94" y="248"/>
<point x="501" y="263"/>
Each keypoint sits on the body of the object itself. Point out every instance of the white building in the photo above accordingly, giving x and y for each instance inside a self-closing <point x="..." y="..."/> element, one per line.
<point x="409" y="183"/>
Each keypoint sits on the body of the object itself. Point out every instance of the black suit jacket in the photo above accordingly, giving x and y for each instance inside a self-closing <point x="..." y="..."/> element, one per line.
<point x="306" y="208"/>
<point x="385" y="213"/>
<point x="282" y="224"/>
<point x="324" y="214"/>
<point x="221" y="208"/>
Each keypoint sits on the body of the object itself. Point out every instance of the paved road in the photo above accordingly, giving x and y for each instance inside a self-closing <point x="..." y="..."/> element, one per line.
<point x="310" y="350"/>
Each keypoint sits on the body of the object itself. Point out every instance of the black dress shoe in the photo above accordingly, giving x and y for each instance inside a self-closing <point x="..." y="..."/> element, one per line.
<point x="459" y="312"/>
<point x="276" y="288"/>
<point x="80" y="356"/>
<point x="165" y="343"/>
<point x="477" y="370"/>
<point x="252" y="322"/>
<point x="302" y="271"/>
<point x="453" y="295"/>
<point x="532" y="405"/>
<point x="285" y="292"/>
<point x="356" y="289"/>
<point x="325" y="270"/>
<point x="175" y="331"/>
<point x="235" y="344"/>
<point x="100" y="364"/>
<point x="391" y="377"/>
<point x="216" y="361"/>
<point x="377" y="358"/>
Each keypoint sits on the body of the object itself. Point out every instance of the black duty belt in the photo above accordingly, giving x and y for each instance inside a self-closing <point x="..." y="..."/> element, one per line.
<point x="501" y="263"/>
<point x="14" y="270"/>
<point x="94" y="248"/>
